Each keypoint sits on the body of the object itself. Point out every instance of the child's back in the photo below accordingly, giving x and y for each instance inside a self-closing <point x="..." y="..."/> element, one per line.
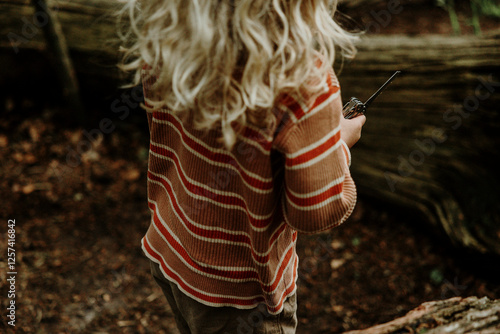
<point x="246" y="148"/>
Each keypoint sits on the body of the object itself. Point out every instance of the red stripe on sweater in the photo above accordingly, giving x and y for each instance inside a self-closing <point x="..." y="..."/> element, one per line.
<point x="215" y="235"/>
<point x="187" y="258"/>
<point x="210" y="155"/>
<point x="217" y="272"/>
<point x="291" y="103"/>
<point x="281" y="269"/>
<point x="313" y="200"/>
<point x="293" y="106"/>
<point x="289" y="290"/>
<point x="195" y="293"/>
<point x="277" y="233"/>
<point x="218" y="235"/>
<point x="323" y="97"/>
<point x="223" y="199"/>
<point x="314" y="153"/>
<point x="257" y="137"/>
<point x="203" y="192"/>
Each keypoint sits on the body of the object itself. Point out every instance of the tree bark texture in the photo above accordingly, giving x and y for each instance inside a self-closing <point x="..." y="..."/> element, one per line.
<point x="431" y="138"/>
<point x="455" y="315"/>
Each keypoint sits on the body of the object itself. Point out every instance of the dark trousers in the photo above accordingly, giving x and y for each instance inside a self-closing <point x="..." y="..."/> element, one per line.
<point x="193" y="317"/>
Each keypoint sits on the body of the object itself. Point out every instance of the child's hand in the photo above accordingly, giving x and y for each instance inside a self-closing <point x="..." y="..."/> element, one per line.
<point x="351" y="129"/>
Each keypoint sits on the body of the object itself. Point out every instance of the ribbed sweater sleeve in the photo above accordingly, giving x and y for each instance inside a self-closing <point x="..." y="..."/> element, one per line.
<point x="319" y="192"/>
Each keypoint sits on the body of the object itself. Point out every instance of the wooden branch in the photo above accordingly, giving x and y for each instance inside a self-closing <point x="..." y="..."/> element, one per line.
<point x="456" y="315"/>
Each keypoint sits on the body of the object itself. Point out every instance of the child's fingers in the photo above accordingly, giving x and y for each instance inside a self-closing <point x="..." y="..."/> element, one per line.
<point x="351" y="129"/>
<point x="361" y="119"/>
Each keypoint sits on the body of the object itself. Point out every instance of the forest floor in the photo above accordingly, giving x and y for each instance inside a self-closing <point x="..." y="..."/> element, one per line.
<point x="79" y="205"/>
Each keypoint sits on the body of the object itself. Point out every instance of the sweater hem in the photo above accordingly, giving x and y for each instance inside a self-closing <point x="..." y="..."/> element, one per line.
<point x="223" y="304"/>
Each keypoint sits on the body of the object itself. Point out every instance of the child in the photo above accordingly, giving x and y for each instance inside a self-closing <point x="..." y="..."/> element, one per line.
<point x="248" y="147"/>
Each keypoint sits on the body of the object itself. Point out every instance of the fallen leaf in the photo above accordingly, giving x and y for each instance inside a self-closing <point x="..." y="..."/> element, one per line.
<point x="28" y="189"/>
<point x="131" y="174"/>
<point x="337" y="244"/>
<point x="39" y="261"/>
<point x="27" y="146"/>
<point x="34" y="132"/>
<point x="29" y="158"/>
<point x="4" y="141"/>
<point x="18" y="157"/>
<point x="337" y="308"/>
<point x="90" y="156"/>
<point x="125" y="323"/>
<point x="337" y="263"/>
<point x="152" y="297"/>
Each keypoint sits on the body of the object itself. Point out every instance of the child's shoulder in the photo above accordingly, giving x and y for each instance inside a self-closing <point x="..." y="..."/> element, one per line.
<point x="312" y="96"/>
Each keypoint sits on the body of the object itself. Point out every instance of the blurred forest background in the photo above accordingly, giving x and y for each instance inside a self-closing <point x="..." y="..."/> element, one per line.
<point x="74" y="160"/>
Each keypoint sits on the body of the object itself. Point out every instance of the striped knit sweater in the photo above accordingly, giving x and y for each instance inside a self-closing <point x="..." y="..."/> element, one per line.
<point x="224" y="223"/>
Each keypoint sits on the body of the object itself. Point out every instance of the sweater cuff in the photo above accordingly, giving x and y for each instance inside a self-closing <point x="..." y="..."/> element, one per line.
<point x="347" y="152"/>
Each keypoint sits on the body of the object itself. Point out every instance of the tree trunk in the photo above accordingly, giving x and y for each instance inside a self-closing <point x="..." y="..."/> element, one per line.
<point x="28" y="68"/>
<point x="431" y="138"/>
<point x="456" y="315"/>
<point x="89" y="25"/>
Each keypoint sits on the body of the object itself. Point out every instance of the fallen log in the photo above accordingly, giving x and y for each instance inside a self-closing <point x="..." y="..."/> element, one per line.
<point x="455" y="315"/>
<point x="430" y="140"/>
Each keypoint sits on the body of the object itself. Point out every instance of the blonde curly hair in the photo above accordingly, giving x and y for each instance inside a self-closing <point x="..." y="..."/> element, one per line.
<point x="229" y="60"/>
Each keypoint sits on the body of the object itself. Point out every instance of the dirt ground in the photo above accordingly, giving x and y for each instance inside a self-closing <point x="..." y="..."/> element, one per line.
<point x="79" y="205"/>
